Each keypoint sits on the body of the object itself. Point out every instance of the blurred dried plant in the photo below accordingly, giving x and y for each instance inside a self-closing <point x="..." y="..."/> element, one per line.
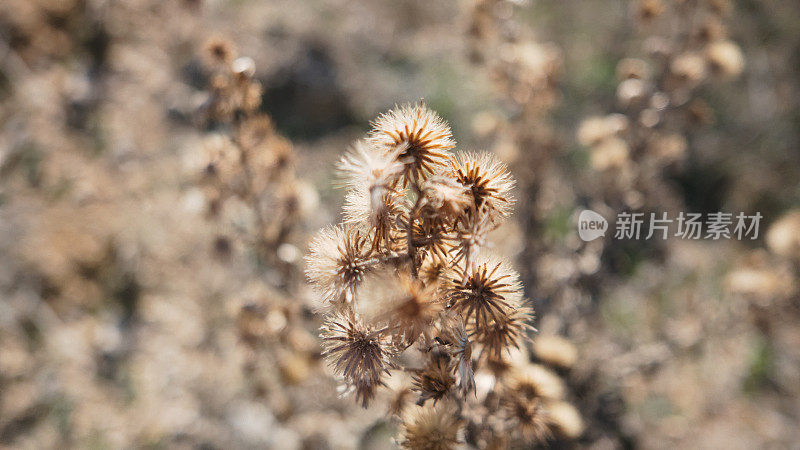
<point x="246" y="162"/>
<point x="660" y="102"/>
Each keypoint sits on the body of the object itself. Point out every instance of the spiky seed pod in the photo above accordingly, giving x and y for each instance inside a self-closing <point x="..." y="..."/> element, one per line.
<point x="535" y="381"/>
<point x="424" y="136"/>
<point x="372" y="174"/>
<point x="444" y="200"/>
<point x="489" y="182"/>
<point x="483" y="293"/>
<point x="358" y="352"/>
<point x="407" y="305"/>
<point x="380" y="211"/>
<point x="337" y="262"/>
<point x="525" y="418"/>
<point x="435" y="241"/>
<point x="436" y="428"/>
<point x="371" y="168"/>
<point x="505" y="331"/>
<point x="435" y="381"/>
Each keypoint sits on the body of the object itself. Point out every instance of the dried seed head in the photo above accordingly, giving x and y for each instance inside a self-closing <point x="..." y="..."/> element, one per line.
<point x="408" y="306"/>
<point x="337" y="263"/>
<point x="489" y="182"/>
<point x="370" y="168"/>
<point x="505" y="331"/>
<point x="380" y="209"/>
<point x="218" y="52"/>
<point x="484" y="293"/>
<point x="423" y="136"/>
<point x="435" y="381"/>
<point x="436" y="428"/>
<point x="444" y="200"/>
<point x="357" y="352"/>
<point x="436" y="241"/>
<point x="526" y="418"/>
<point x="535" y="381"/>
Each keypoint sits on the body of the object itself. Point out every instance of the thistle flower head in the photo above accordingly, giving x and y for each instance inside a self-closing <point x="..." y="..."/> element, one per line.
<point x="407" y="305"/>
<point x="505" y="331"/>
<point x="423" y="136"/>
<point x="436" y="428"/>
<point x="489" y="182"/>
<point x="436" y="241"/>
<point x="483" y="293"/>
<point x="369" y="167"/>
<point x="435" y="381"/>
<point x="357" y="352"/>
<point x="337" y="263"/>
<point x="444" y="200"/>
<point x="527" y="418"/>
<point x="380" y="209"/>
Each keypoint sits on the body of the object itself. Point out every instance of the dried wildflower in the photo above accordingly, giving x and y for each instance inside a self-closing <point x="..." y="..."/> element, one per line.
<point x="370" y="168"/>
<point x="505" y="331"/>
<point x="421" y="134"/>
<point x="444" y="201"/>
<point x="489" y="182"/>
<point x="337" y="262"/>
<point x="535" y="381"/>
<point x="218" y="52"/>
<point x="407" y="305"/>
<point x="434" y="241"/>
<point x="357" y="352"/>
<point x="435" y="381"/>
<point x="436" y="428"/>
<point x="420" y="280"/>
<point x="380" y="212"/>
<point x="526" y="417"/>
<point x="484" y="293"/>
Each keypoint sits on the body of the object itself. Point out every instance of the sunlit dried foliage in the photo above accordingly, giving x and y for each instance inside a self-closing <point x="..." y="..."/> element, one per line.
<point x="406" y="280"/>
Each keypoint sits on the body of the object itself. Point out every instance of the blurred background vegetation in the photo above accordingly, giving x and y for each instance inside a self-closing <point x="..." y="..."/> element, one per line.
<point x="130" y="318"/>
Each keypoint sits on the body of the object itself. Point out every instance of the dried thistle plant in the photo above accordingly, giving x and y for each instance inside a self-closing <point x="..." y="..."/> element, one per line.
<point x="408" y="286"/>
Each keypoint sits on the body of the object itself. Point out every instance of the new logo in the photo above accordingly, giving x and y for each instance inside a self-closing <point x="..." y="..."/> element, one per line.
<point x="591" y="225"/>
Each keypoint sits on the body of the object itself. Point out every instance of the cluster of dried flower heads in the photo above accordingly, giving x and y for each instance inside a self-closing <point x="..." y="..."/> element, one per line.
<point x="409" y="287"/>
